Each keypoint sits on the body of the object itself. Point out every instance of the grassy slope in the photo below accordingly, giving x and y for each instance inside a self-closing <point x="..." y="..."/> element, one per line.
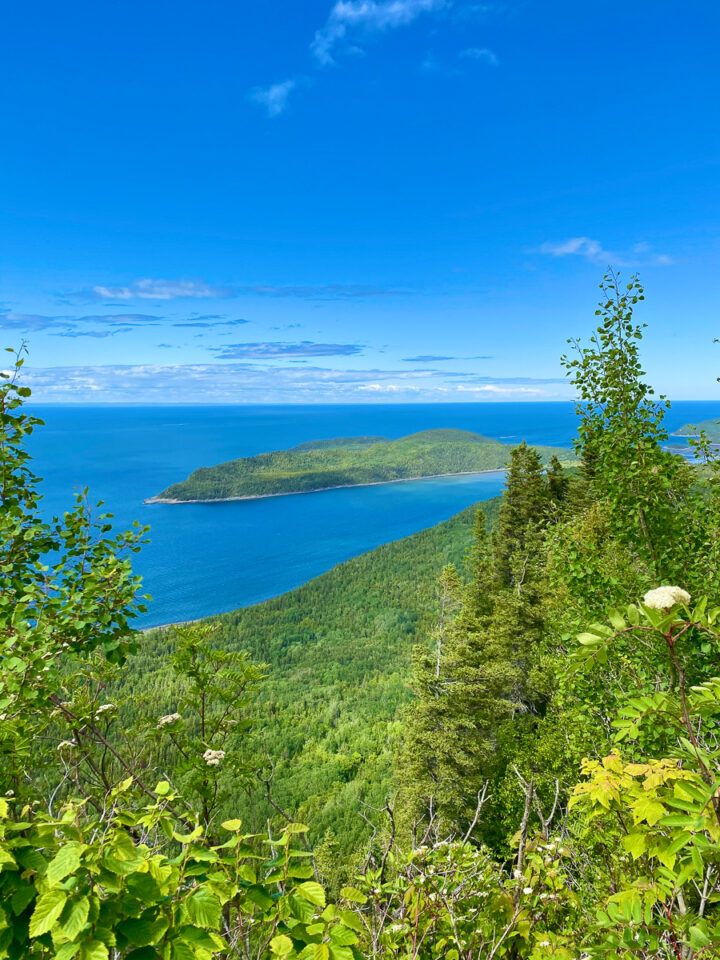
<point x="338" y="650"/>
<point x="345" y="461"/>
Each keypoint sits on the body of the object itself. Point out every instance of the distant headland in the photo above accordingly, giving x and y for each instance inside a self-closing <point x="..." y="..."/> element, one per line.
<point x="347" y="462"/>
<point x="711" y="429"/>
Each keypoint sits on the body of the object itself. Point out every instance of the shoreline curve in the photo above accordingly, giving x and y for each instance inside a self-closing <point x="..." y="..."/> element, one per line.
<point x="339" y="486"/>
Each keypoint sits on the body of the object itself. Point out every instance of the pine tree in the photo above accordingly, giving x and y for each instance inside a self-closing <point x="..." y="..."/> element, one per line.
<point x="478" y="690"/>
<point x="557" y="481"/>
<point x="523" y="512"/>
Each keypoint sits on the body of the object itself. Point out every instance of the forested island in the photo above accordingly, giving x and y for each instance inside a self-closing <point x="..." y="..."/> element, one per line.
<point x="493" y="740"/>
<point x="711" y="429"/>
<point x="347" y="461"/>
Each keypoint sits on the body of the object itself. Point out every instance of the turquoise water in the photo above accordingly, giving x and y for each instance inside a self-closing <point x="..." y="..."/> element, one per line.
<point x="208" y="558"/>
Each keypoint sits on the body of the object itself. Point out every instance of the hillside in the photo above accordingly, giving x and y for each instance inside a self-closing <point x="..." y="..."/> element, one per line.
<point x="346" y="461"/>
<point x="338" y="650"/>
<point x="710" y="427"/>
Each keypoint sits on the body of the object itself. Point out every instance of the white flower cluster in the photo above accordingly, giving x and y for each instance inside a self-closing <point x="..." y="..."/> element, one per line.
<point x="662" y="598"/>
<point x="104" y="708"/>
<point x="169" y="718"/>
<point x="213" y="757"/>
<point x="66" y="745"/>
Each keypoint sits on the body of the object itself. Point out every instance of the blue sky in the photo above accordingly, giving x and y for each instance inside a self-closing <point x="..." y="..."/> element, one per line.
<point x="372" y="200"/>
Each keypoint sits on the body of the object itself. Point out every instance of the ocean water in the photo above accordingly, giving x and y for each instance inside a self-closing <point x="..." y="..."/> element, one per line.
<point x="209" y="558"/>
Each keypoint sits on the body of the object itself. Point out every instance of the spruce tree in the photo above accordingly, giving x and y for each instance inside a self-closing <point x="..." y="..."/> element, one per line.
<point x="522" y="514"/>
<point x="557" y="481"/>
<point x="477" y="685"/>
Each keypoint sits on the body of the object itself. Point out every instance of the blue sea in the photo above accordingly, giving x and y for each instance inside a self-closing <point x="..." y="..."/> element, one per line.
<point x="209" y="558"/>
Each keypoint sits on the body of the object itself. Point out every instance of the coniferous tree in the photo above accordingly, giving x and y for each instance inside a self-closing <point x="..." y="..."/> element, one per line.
<point x="524" y="510"/>
<point x="479" y="689"/>
<point x="557" y="480"/>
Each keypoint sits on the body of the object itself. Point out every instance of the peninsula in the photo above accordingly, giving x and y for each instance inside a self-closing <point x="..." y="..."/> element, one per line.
<point x="347" y="462"/>
<point x="711" y="428"/>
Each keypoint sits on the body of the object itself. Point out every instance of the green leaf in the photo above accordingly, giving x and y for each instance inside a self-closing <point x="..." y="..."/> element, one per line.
<point x="181" y="951"/>
<point x="6" y="857"/>
<point x="48" y="908"/>
<point x="77" y="918"/>
<point x="138" y="931"/>
<point x="204" y="908"/>
<point x="94" y="950"/>
<point x="65" y="862"/>
<point x="281" y="945"/>
<point x="697" y="861"/>
<point x="22" y="897"/>
<point x="698" y="938"/>
<point x="588" y="639"/>
<point x="649" y="810"/>
<point x="350" y="919"/>
<point x="340" y="953"/>
<point x="232" y="825"/>
<point x="67" y="951"/>
<point x="245" y="872"/>
<point x="342" y="936"/>
<point x="313" y="892"/>
<point x="635" y="844"/>
<point x="353" y="894"/>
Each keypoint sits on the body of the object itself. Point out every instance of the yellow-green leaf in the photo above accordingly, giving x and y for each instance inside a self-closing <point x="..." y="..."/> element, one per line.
<point x="231" y="825"/>
<point x="281" y="945"/>
<point x="313" y="892"/>
<point x="94" y="950"/>
<point x="77" y="918"/>
<point x="48" y="908"/>
<point x="65" y="862"/>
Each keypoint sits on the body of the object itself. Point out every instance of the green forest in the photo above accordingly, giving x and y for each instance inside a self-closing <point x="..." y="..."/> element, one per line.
<point x="345" y="640"/>
<point x="498" y="738"/>
<point x="347" y="461"/>
<point x="711" y="429"/>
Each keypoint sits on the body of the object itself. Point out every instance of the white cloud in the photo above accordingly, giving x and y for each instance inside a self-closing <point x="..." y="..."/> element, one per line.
<point x="148" y="289"/>
<point x="258" y="383"/>
<point x="388" y="388"/>
<point x="481" y="54"/>
<point x="273" y="99"/>
<point x="494" y="388"/>
<point x="640" y="255"/>
<point x="350" y="16"/>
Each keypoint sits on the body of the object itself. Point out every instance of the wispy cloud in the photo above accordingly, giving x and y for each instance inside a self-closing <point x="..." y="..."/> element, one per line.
<point x="273" y="99"/>
<point x="330" y="291"/>
<point x="507" y="381"/>
<point x="495" y="388"/>
<point x="349" y="19"/>
<point x="210" y="322"/>
<point x="73" y="326"/>
<point x="432" y="358"/>
<point x="149" y="289"/>
<point x="28" y="322"/>
<point x="91" y="333"/>
<point x="480" y="54"/>
<point x="258" y="383"/>
<point x="426" y="358"/>
<point x="127" y="319"/>
<point x="282" y="350"/>
<point x="640" y="254"/>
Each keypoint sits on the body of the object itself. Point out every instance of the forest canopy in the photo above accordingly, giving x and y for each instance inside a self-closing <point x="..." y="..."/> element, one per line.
<point x="347" y="461"/>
